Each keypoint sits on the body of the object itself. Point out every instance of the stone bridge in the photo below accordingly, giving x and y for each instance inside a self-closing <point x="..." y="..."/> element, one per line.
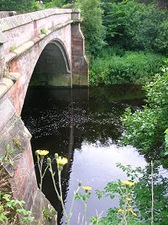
<point x="47" y="44"/>
<point x="41" y="48"/>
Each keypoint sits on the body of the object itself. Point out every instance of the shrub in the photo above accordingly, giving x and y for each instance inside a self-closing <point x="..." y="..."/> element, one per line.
<point x="116" y="68"/>
<point x="145" y="128"/>
<point x="54" y="3"/>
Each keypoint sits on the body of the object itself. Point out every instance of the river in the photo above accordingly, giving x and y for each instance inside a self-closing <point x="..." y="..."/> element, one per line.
<point x="84" y="126"/>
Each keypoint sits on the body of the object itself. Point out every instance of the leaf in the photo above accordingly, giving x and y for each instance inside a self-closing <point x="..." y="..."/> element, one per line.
<point x="3" y="218"/>
<point x="99" y="194"/>
<point x="165" y="153"/>
<point x="166" y="131"/>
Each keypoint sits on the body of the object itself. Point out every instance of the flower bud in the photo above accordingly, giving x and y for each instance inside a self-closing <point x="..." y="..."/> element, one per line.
<point x="79" y="183"/>
<point x="48" y="161"/>
<point x="56" y="155"/>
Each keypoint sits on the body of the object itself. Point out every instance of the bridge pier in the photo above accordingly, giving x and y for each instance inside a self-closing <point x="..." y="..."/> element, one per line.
<point x="79" y="61"/>
<point x="17" y="161"/>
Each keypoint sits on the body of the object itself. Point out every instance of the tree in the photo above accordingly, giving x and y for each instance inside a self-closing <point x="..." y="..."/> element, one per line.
<point x="136" y="26"/>
<point x="21" y="5"/>
<point x="94" y="31"/>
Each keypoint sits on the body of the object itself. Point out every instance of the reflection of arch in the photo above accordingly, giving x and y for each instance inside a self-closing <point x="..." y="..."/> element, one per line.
<point x="53" y="66"/>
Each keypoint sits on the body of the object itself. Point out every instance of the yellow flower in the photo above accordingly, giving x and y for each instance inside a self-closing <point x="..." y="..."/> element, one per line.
<point x="86" y="188"/>
<point x="129" y="199"/>
<point x="42" y="152"/>
<point x="128" y="183"/>
<point x="61" y="161"/>
<point x="131" y="210"/>
<point x="133" y="213"/>
<point x="120" y="211"/>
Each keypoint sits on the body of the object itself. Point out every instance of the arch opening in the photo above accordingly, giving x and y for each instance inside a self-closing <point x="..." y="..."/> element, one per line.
<point x="52" y="67"/>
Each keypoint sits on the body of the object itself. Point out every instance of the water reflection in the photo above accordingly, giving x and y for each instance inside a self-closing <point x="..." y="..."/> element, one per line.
<point x="95" y="165"/>
<point x="82" y="125"/>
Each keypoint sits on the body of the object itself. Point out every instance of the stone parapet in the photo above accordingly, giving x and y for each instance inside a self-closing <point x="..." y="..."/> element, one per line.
<point x="8" y="23"/>
<point x="21" y="29"/>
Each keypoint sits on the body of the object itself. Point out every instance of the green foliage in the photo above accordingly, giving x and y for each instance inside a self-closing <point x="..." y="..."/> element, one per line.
<point x="94" y="31"/>
<point x="143" y="196"/>
<point x="136" y="26"/>
<point x="21" y="5"/>
<point x="115" y="67"/>
<point x="8" y="155"/>
<point x="43" y="31"/>
<point x="11" y="208"/>
<point x="145" y="128"/>
<point x="29" y="5"/>
<point x="54" y="3"/>
<point x="114" y="21"/>
<point x="125" y="191"/>
<point x="48" y="213"/>
<point x="136" y="203"/>
<point x="166" y="142"/>
<point x="161" y="41"/>
<point x="36" y="6"/>
<point x="12" y="48"/>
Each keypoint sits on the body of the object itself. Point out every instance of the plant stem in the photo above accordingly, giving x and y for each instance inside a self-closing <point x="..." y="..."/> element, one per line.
<point x="53" y="180"/>
<point x="61" y="197"/>
<point x="40" y="164"/>
<point x="71" y="206"/>
<point x="42" y="174"/>
<point x="85" y="210"/>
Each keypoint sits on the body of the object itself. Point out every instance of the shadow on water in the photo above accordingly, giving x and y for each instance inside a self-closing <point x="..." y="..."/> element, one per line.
<point x="84" y="126"/>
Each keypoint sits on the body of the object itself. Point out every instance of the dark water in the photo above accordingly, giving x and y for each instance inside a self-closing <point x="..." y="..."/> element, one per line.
<point x="84" y="126"/>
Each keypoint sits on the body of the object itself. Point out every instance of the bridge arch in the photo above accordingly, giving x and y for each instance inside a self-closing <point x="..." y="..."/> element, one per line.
<point x="53" y="66"/>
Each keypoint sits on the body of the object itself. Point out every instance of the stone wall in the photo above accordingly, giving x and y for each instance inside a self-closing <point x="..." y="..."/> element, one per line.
<point x="17" y="160"/>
